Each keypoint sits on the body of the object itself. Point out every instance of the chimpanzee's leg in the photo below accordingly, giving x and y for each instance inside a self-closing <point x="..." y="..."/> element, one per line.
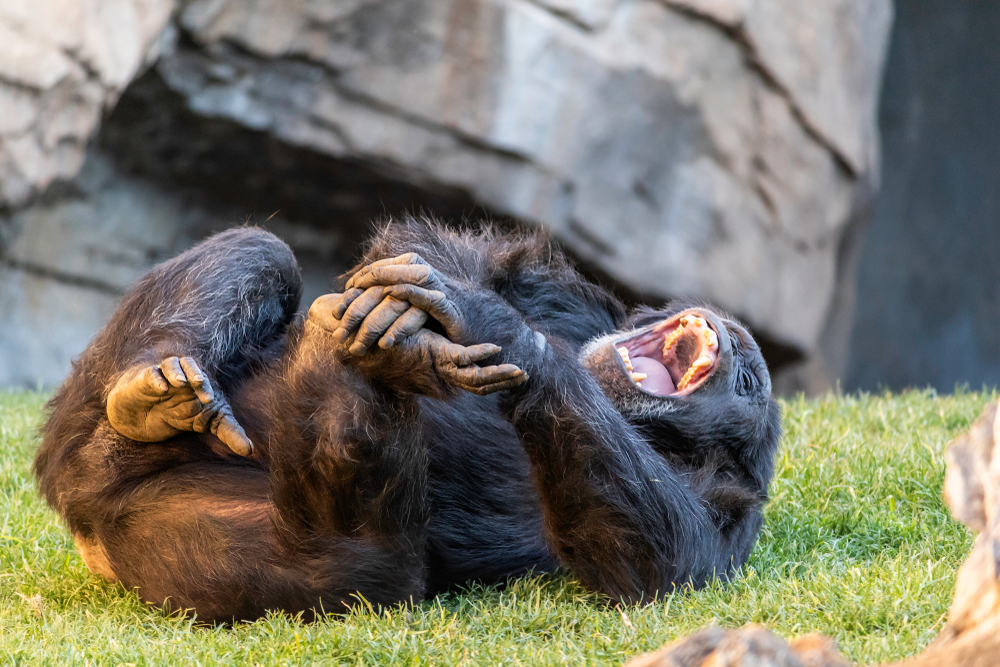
<point x="340" y="511"/>
<point x="338" y="508"/>
<point x="226" y="304"/>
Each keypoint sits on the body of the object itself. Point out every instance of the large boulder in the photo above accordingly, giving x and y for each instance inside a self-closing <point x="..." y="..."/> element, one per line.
<point x="972" y="490"/>
<point x="721" y="150"/>
<point x="62" y="64"/>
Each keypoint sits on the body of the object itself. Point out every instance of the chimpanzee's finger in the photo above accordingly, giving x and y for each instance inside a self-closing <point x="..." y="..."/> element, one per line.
<point x="499" y="386"/>
<point x="446" y="354"/>
<point x="202" y="423"/>
<point x="411" y="274"/>
<point x="479" y="352"/>
<point x="346" y="299"/>
<point x="229" y="431"/>
<point x="377" y="322"/>
<point x="198" y="380"/>
<point x="476" y="376"/>
<point x="172" y="371"/>
<point x="152" y="382"/>
<point x="492" y="388"/>
<point x="434" y="302"/>
<point x="357" y="312"/>
<point x="401" y="260"/>
<point x="183" y="410"/>
<point x="172" y="402"/>
<point x="405" y="326"/>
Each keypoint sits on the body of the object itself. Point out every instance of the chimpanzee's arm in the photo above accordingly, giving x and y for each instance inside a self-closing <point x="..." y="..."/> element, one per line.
<point x="617" y="513"/>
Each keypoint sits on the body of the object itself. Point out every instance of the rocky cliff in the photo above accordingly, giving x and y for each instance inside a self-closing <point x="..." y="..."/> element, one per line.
<point x="723" y="150"/>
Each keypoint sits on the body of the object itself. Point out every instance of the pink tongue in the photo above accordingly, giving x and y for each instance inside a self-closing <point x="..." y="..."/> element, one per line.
<point x="657" y="380"/>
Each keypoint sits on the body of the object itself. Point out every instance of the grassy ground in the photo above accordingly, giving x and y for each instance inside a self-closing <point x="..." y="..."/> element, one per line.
<point x="858" y="545"/>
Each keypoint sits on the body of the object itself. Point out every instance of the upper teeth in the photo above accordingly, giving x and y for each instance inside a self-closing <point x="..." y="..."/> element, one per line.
<point x="711" y="340"/>
<point x="704" y="361"/>
<point x="669" y="341"/>
<point x="623" y="352"/>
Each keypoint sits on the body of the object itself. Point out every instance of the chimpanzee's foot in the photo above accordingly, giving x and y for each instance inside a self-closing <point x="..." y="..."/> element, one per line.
<point x="154" y="403"/>
<point x="372" y="316"/>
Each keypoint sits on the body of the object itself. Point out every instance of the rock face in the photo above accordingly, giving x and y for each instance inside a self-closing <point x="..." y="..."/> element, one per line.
<point x="972" y="636"/>
<point x="722" y="150"/>
<point x="62" y="64"/>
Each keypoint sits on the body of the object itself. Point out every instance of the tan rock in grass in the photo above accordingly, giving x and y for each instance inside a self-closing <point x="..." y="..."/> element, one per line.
<point x="750" y="646"/>
<point x="972" y="490"/>
<point x="972" y="636"/>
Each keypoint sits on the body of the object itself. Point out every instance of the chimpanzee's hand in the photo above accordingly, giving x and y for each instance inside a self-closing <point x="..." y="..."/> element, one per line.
<point x="414" y="350"/>
<point x="456" y="364"/>
<point x="154" y="403"/>
<point x="391" y="299"/>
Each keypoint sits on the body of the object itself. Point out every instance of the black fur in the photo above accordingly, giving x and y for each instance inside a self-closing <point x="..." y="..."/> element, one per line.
<point x="372" y="476"/>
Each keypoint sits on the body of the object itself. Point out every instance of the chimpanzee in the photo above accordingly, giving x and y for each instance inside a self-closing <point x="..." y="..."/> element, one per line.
<point x="467" y="408"/>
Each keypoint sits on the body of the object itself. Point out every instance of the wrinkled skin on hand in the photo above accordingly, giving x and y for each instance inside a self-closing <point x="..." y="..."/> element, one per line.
<point x="154" y="403"/>
<point x="363" y="316"/>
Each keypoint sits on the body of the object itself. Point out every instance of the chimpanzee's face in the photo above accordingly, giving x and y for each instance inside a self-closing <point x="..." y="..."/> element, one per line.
<point x="679" y="361"/>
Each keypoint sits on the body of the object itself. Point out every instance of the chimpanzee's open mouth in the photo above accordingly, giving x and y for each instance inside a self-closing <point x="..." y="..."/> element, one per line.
<point x="674" y="358"/>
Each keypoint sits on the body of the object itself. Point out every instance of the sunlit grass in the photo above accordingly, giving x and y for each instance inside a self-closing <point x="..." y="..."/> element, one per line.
<point x="858" y="545"/>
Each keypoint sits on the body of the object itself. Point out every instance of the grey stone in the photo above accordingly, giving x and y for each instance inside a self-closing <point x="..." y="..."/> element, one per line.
<point x="588" y="14"/>
<point x="831" y="77"/>
<point x="46" y="323"/>
<point x="713" y="150"/>
<point x="650" y="146"/>
<point x="108" y="233"/>
<point x="72" y="257"/>
<point x="62" y="64"/>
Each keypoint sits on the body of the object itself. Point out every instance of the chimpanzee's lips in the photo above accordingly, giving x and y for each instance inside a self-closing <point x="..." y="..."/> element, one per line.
<point x="674" y="357"/>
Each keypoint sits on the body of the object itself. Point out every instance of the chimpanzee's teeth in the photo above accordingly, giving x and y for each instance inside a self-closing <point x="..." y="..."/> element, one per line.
<point x="669" y="340"/>
<point x="704" y="361"/>
<point x="691" y="326"/>
<point x="686" y="380"/>
<point x="711" y="340"/>
<point x="623" y="352"/>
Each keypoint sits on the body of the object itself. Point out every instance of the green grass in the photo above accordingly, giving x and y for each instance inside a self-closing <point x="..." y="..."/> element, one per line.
<point x="858" y="545"/>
